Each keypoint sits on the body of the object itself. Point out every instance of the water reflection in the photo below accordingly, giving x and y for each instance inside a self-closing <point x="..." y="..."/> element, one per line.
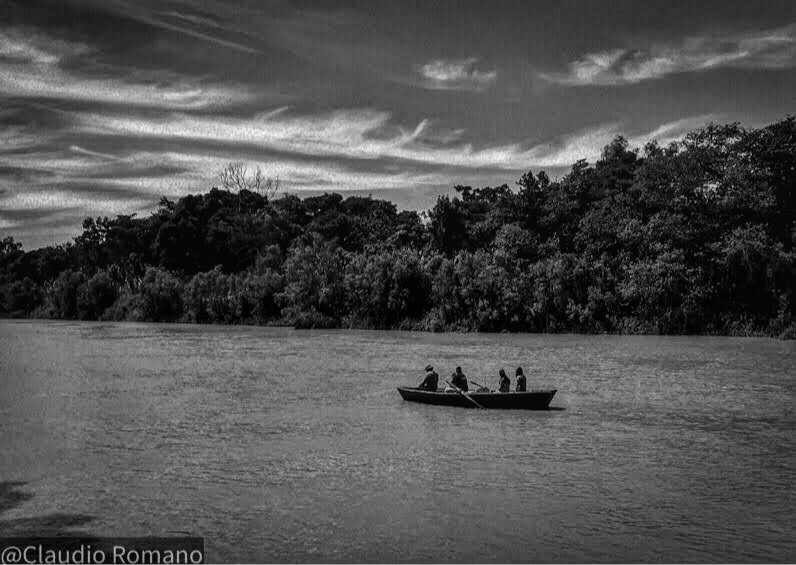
<point x="57" y="524"/>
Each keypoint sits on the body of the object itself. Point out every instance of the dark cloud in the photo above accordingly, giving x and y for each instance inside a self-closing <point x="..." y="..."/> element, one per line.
<point x="103" y="192"/>
<point x="19" y="174"/>
<point x="79" y="20"/>
<point x="42" y="215"/>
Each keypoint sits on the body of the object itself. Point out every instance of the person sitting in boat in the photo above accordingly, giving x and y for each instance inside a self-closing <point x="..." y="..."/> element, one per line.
<point x="431" y="380"/>
<point x="521" y="383"/>
<point x="504" y="385"/>
<point x="459" y="380"/>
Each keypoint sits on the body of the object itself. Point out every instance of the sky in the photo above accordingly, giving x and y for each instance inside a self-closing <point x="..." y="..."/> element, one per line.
<point x="107" y="105"/>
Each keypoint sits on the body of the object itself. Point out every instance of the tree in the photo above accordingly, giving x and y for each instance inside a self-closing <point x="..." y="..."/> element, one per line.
<point x="95" y="296"/>
<point x="63" y="294"/>
<point x="314" y="294"/>
<point x="21" y="297"/>
<point x="161" y="299"/>
<point x="239" y="177"/>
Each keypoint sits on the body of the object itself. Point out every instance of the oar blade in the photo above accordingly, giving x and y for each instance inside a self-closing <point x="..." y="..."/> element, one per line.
<point x="467" y="396"/>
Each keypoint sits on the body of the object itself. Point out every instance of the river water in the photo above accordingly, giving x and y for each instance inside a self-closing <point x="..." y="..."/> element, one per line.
<point x="282" y="445"/>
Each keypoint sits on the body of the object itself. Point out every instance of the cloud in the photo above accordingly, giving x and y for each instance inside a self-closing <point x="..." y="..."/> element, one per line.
<point x="65" y="199"/>
<point x="456" y="74"/>
<point x="208" y="24"/>
<point x="772" y="49"/>
<point x="43" y="177"/>
<point x="14" y="47"/>
<point x="298" y="174"/>
<point x="82" y="151"/>
<point x="350" y="134"/>
<point x="366" y="135"/>
<point x="197" y="26"/>
<point x="35" y="66"/>
<point x="15" y="138"/>
<point x="673" y="131"/>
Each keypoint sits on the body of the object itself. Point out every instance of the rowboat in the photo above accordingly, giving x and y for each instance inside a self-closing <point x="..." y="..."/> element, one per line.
<point x="530" y="400"/>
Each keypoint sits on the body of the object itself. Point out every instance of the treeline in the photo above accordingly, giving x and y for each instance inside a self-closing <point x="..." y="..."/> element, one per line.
<point x="696" y="237"/>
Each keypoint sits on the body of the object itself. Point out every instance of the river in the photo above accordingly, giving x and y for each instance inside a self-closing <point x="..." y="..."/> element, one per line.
<point x="283" y="445"/>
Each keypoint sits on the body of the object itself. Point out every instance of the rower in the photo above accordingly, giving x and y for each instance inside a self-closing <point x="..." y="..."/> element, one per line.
<point x="504" y="385"/>
<point x="431" y="380"/>
<point x="521" y="383"/>
<point x="459" y="380"/>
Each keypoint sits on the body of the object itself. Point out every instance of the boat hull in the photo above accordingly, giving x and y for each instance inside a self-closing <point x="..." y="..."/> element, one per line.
<point x="531" y="400"/>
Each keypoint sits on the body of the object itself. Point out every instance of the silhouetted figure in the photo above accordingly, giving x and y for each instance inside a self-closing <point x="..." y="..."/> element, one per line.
<point x="459" y="380"/>
<point x="521" y="384"/>
<point x="431" y="380"/>
<point x="505" y="383"/>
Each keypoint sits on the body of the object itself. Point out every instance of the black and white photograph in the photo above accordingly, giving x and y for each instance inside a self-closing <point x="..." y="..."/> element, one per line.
<point x="397" y="281"/>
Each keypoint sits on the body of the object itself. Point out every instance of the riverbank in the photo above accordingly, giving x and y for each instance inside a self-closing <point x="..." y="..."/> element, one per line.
<point x="738" y="330"/>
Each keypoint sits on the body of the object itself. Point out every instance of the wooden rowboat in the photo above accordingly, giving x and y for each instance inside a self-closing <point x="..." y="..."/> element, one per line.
<point x="530" y="400"/>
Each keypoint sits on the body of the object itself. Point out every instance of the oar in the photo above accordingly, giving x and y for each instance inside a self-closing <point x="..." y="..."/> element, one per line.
<point x="480" y="385"/>
<point x="467" y="396"/>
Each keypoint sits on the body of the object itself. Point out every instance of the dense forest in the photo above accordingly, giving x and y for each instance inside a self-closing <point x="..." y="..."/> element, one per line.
<point x="695" y="237"/>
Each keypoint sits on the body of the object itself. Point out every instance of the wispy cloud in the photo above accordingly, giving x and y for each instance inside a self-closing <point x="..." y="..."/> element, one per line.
<point x="198" y="27"/>
<point x="60" y="187"/>
<point x="65" y="200"/>
<point x="671" y="132"/>
<point x="369" y="135"/>
<point x="300" y="174"/>
<point x="456" y="74"/>
<point x="37" y="66"/>
<point x="16" y="48"/>
<point x="13" y="137"/>
<point x="350" y="134"/>
<point x="176" y="172"/>
<point x="212" y="23"/>
<point x="771" y="49"/>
